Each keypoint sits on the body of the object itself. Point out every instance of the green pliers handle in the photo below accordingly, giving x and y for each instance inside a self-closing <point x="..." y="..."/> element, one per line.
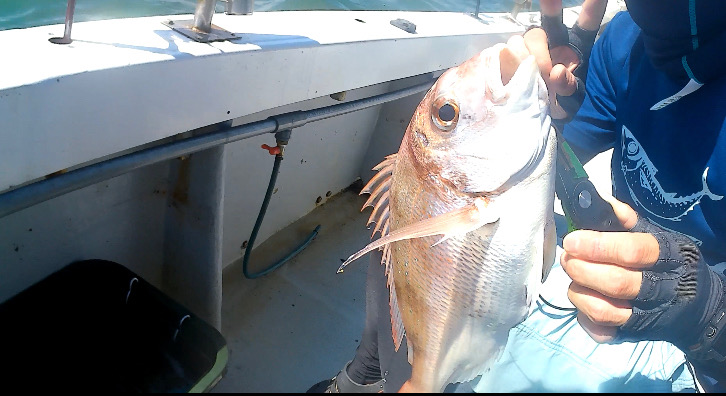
<point x="584" y="208"/>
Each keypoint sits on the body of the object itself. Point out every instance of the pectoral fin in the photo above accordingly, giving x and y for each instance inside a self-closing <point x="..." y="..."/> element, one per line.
<point x="456" y="222"/>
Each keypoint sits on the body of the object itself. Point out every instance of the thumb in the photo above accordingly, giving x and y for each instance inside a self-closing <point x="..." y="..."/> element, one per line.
<point x="627" y="215"/>
<point x="562" y="80"/>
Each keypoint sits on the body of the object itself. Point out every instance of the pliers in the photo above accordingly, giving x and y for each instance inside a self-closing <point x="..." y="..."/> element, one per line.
<point x="584" y="208"/>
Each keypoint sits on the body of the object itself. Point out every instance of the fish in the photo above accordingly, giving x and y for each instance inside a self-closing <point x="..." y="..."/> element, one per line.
<point x="651" y="196"/>
<point x="464" y="211"/>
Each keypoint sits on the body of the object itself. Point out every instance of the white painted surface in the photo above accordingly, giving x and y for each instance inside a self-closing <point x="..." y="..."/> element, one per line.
<point x="124" y="83"/>
<point x="123" y="219"/>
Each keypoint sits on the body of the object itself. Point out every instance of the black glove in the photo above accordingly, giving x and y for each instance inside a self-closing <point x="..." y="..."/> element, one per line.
<point x="680" y="300"/>
<point x="581" y="42"/>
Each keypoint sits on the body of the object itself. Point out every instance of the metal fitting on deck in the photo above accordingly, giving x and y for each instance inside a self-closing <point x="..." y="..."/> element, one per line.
<point x="240" y="7"/>
<point x="66" y="39"/>
<point x="203" y="15"/>
<point x="201" y="29"/>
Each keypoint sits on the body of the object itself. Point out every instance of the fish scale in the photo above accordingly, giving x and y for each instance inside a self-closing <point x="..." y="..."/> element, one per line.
<point x="465" y="215"/>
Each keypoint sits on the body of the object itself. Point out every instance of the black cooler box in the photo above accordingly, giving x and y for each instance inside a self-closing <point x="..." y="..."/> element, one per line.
<point x="97" y="326"/>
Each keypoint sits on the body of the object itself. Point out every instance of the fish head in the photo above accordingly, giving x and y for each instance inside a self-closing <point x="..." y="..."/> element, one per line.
<point x="477" y="133"/>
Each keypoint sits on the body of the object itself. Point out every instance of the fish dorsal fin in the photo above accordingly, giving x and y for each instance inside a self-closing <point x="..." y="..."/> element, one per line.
<point x="378" y="187"/>
<point x="397" y="329"/>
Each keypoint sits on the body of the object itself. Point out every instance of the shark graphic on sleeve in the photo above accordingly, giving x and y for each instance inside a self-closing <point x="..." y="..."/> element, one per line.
<point x="645" y="189"/>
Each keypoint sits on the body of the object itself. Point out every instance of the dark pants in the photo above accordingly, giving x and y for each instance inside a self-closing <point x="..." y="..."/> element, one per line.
<point x="375" y="357"/>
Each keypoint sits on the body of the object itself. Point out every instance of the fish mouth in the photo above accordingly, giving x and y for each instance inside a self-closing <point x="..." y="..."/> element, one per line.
<point x="514" y="86"/>
<point x="516" y="72"/>
<point x="509" y="63"/>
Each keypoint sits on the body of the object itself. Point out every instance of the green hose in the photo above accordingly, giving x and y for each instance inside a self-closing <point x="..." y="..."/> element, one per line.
<point x="260" y="216"/>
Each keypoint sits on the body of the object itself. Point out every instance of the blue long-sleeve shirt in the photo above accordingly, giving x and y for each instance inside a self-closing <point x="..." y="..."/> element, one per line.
<point x="667" y="164"/>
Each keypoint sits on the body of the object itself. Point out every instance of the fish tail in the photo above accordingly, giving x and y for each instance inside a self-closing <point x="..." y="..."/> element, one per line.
<point x="706" y="191"/>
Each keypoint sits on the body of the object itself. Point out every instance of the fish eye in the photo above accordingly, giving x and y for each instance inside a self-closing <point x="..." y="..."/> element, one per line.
<point x="445" y="113"/>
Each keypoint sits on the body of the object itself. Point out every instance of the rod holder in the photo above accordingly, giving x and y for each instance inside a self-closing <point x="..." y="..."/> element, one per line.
<point x="66" y="39"/>
<point x="203" y="15"/>
<point x="201" y="29"/>
<point x="520" y="5"/>
<point x="240" y="7"/>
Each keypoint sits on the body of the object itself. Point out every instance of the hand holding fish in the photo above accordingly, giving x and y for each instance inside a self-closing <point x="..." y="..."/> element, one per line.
<point x="560" y="52"/>
<point x="646" y="284"/>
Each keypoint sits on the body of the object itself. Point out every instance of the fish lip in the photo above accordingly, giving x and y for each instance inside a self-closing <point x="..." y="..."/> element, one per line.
<point x="487" y="195"/>
<point x="493" y="193"/>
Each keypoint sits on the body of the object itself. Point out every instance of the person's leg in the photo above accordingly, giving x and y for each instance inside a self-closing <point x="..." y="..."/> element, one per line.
<point x="363" y="373"/>
<point x="366" y="367"/>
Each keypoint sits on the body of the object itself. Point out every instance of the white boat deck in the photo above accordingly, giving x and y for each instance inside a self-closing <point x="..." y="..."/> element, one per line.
<point x="301" y="323"/>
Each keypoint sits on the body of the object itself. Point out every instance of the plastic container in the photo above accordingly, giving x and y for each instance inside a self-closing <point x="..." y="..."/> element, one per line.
<point x="97" y="326"/>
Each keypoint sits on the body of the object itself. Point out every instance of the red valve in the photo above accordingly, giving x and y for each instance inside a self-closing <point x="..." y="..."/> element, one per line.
<point x="273" y="150"/>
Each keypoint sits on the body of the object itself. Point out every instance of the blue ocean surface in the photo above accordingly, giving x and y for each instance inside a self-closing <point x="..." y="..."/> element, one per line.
<point x="17" y="14"/>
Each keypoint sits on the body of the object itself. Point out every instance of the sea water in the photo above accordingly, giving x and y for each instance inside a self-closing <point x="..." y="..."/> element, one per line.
<point x="15" y="14"/>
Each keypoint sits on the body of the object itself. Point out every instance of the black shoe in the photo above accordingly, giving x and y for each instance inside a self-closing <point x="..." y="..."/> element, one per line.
<point x="321" y="387"/>
<point x="342" y="383"/>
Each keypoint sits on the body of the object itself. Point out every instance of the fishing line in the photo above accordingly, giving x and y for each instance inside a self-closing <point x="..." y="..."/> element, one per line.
<point x="555" y="306"/>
